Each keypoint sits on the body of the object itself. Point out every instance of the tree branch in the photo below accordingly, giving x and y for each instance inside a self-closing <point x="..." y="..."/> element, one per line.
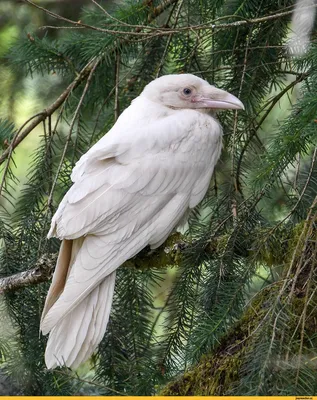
<point x="41" y="272"/>
<point x="154" y="13"/>
<point x="43" y="269"/>
<point x="34" y="122"/>
<point x="40" y="117"/>
<point x="301" y="77"/>
<point x="163" y="31"/>
<point x="86" y="70"/>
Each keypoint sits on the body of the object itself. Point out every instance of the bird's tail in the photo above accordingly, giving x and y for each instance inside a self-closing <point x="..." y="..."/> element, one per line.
<point x="75" y="337"/>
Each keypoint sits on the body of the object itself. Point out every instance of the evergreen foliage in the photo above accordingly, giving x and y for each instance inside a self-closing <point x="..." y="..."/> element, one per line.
<point x="259" y="216"/>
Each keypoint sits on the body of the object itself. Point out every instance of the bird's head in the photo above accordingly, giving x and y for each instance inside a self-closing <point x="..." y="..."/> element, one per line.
<point x="187" y="91"/>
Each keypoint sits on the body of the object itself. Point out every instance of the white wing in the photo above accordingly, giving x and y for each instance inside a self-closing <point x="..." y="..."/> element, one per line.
<point x="130" y="190"/>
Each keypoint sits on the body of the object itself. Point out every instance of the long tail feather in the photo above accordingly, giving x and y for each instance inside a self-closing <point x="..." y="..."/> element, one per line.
<point x="77" y="335"/>
<point x="60" y="275"/>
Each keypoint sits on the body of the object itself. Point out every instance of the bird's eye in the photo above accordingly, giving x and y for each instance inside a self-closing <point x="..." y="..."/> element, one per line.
<point x="187" y="91"/>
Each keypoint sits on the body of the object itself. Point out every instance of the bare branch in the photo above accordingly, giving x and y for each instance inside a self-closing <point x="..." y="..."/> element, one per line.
<point x="41" y="272"/>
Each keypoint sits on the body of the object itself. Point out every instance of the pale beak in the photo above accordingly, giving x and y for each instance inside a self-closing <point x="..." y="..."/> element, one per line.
<point x="218" y="99"/>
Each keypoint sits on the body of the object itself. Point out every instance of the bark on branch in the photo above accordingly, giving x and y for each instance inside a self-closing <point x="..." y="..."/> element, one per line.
<point x="41" y="272"/>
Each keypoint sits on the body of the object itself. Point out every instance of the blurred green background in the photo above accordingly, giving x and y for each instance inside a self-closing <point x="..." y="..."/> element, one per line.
<point x="22" y="97"/>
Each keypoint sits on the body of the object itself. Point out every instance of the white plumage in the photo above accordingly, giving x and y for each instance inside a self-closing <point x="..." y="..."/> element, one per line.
<point x="131" y="189"/>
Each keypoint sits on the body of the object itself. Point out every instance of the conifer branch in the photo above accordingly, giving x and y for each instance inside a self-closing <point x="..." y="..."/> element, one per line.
<point x="40" y="117"/>
<point x="162" y="31"/>
<point x="154" y="13"/>
<point x="270" y="104"/>
<point x="92" y="70"/>
<point x="301" y="77"/>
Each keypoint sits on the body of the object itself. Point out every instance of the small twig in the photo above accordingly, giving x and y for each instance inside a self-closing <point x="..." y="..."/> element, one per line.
<point x="9" y="150"/>
<point x="234" y="134"/>
<point x="299" y="79"/>
<point x="49" y="157"/>
<point x="60" y="27"/>
<point x="295" y="183"/>
<point x="109" y="15"/>
<point x="117" y="80"/>
<point x="159" y="314"/>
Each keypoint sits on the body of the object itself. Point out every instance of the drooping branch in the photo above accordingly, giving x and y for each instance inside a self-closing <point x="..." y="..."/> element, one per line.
<point x="34" y="122"/>
<point x="92" y="69"/>
<point x="84" y="73"/>
<point x="268" y="107"/>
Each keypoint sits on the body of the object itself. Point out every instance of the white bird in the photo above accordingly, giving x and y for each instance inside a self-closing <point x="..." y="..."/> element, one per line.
<point x="131" y="189"/>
